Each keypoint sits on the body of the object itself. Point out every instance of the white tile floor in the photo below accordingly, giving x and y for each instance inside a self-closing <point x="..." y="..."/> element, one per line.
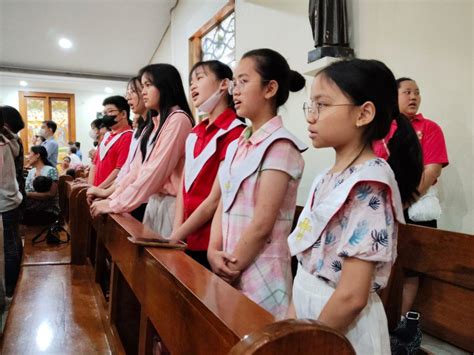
<point x="438" y="347"/>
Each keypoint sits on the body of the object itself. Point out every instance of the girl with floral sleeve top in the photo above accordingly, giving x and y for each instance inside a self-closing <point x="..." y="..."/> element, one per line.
<point x="346" y="236"/>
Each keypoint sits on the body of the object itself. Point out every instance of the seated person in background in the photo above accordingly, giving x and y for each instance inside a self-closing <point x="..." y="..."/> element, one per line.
<point x="66" y="164"/>
<point x="113" y="149"/>
<point x="38" y="140"/>
<point x="71" y="173"/>
<point x="42" y="183"/>
<point x="78" y="147"/>
<point x="75" y="160"/>
<point x="41" y="207"/>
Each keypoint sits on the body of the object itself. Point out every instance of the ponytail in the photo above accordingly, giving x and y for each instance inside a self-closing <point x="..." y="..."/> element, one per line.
<point x="406" y="159"/>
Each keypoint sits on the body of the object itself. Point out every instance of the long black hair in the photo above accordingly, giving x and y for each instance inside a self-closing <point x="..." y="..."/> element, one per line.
<point x="12" y="118"/>
<point x="167" y="80"/>
<point x="371" y="80"/>
<point x="271" y="65"/>
<point x="43" y="154"/>
<point x="134" y="85"/>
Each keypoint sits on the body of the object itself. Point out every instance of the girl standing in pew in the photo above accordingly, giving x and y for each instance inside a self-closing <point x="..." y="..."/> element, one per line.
<point x="205" y="150"/>
<point x="346" y="236"/>
<point x="155" y="172"/>
<point x="137" y="106"/>
<point x="426" y="210"/>
<point x="259" y="180"/>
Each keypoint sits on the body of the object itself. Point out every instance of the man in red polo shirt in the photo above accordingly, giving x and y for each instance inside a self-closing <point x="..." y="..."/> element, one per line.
<point x="113" y="150"/>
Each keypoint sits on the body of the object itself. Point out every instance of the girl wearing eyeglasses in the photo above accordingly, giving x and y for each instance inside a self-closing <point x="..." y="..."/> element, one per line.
<point x="258" y="181"/>
<point x="346" y="236"/>
<point x="205" y="150"/>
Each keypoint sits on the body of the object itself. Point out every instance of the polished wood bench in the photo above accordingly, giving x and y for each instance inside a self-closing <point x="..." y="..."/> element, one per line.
<point x="154" y="293"/>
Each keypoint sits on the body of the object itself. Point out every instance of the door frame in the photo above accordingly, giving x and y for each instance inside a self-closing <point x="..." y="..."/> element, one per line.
<point x="47" y="96"/>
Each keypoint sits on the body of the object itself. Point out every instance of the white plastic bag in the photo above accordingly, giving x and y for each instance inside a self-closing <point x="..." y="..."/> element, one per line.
<point x="427" y="208"/>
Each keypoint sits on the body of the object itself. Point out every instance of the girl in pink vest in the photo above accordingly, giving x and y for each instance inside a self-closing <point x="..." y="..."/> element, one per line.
<point x="258" y="181"/>
<point x="346" y="236"/>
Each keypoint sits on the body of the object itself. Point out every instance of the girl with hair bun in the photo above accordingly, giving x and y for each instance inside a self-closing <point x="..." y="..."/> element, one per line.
<point x="258" y="181"/>
<point x="346" y="236"/>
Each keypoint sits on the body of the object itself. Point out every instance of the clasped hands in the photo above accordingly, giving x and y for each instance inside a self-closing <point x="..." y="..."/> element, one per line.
<point x="224" y="265"/>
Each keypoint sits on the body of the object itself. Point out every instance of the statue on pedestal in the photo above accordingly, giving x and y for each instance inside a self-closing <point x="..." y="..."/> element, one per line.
<point x="328" y="19"/>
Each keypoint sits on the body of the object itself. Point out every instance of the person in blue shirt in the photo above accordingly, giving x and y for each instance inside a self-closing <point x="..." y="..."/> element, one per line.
<point x="48" y="128"/>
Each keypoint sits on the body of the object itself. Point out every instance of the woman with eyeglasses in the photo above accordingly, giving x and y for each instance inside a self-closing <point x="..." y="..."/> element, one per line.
<point x="258" y="181"/>
<point x="155" y="172"/>
<point x="346" y="236"/>
<point x="205" y="150"/>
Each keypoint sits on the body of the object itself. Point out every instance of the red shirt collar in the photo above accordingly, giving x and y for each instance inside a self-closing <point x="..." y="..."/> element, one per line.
<point x="123" y="129"/>
<point x="223" y="121"/>
<point x="418" y="117"/>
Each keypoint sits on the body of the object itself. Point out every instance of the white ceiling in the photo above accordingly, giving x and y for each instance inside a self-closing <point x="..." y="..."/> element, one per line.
<point x="110" y="37"/>
<point x="60" y="83"/>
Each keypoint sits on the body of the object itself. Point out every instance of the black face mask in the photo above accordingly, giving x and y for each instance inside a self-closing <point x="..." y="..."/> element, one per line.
<point x="109" y="121"/>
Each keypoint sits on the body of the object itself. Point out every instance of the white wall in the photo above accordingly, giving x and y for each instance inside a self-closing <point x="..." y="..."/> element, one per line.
<point x="186" y="19"/>
<point x="431" y="41"/>
<point x="87" y="104"/>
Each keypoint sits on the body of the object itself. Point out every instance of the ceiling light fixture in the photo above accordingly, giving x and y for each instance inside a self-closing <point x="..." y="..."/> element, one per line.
<point x="23" y="83"/>
<point x="109" y="90"/>
<point x="65" y="43"/>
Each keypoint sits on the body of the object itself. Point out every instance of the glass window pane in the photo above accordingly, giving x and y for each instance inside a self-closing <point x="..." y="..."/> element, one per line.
<point x="34" y="116"/>
<point x="219" y="43"/>
<point x="60" y="115"/>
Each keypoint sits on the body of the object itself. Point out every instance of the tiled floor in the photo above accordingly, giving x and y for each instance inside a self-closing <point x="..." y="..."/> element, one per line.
<point x="438" y="347"/>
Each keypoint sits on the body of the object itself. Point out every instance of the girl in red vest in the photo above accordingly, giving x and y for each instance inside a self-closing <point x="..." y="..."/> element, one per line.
<point x="205" y="150"/>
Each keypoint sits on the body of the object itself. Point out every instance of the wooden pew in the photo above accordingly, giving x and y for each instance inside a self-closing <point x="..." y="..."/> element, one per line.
<point x="445" y="299"/>
<point x="63" y="196"/>
<point x="78" y="221"/>
<point x="164" y="294"/>
<point x="445" y="261"/>
<point x="294" y="337"/>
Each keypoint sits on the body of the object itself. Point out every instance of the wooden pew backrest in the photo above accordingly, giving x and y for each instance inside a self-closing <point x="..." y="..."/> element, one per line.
<point x="294" y="337"/>
<point x="445" y="299"/>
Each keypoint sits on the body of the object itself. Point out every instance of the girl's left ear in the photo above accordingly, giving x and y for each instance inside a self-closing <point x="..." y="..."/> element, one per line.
<point x="271" y="89"/>
<point x="224" y="85"/>
<point x="366" y="114"/>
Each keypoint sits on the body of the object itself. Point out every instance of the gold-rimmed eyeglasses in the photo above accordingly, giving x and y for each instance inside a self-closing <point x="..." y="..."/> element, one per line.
<point x="315" y="108"/>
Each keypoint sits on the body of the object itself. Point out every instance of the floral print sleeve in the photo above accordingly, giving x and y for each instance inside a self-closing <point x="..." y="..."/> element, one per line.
<point x="53" y="174"/>
<point x="363" y="228"/>
<point x="366" y="232"/>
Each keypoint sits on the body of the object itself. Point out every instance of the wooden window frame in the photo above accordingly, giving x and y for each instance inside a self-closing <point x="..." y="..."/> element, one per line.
<point x="195" y="52"/>
<point x="47" y="96"/>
